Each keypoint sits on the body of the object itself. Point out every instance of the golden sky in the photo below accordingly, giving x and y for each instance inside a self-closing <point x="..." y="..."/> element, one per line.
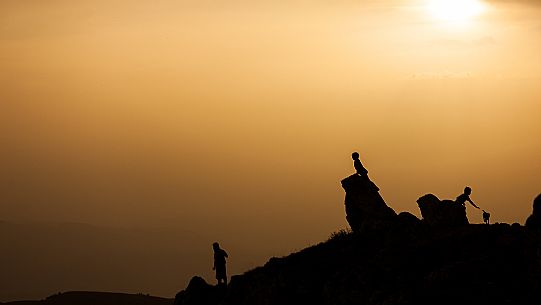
<point x="237" y="118"/>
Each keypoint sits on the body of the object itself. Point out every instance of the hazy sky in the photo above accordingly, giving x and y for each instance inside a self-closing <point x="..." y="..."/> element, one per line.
<point x="237" y="119"/>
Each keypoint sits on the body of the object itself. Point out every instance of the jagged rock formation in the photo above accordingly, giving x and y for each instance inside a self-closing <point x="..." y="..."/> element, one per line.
<point x="200" y="293"/>
<point x="534" y="221"/>
<point x="440" y="260"/>
<point x="365" y="208"/>
<point x="438" y="212"/>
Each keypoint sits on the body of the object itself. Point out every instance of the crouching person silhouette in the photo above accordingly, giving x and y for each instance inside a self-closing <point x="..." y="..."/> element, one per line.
<point x="219" y="264"/>
<point x="361" y="171"/>
<point x="461" y="199"/>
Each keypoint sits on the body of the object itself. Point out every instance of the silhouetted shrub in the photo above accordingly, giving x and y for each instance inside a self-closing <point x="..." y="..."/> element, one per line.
<point x="340" y="234"/>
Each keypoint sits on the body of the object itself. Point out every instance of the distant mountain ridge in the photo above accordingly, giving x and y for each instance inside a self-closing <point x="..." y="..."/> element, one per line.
<point x="39" y="259"/>
<point x="96" y="298"/>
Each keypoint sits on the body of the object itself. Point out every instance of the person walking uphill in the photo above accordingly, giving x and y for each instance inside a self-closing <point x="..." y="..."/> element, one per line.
<point x="219" y="264"/>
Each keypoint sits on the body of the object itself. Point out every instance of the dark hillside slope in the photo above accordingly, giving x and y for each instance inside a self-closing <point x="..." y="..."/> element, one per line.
<point x="394" y="259"/>
<point x="406" y="263"/>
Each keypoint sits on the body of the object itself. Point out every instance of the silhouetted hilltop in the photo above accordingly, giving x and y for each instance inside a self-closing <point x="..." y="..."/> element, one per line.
<point x="409" y="263"/>
<point x="96" y="298"/>
<point x="391" y="259"/>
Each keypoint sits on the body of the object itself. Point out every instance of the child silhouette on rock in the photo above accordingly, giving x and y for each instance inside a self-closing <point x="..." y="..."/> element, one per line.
<point x="361" y="171"/>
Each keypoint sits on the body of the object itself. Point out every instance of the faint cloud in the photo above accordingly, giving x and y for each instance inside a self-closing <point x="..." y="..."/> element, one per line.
<point x="525" y="2"/>
<point x="440" y="75"/>
<point x="481" y="42"/>
<point x="484" y="41"/>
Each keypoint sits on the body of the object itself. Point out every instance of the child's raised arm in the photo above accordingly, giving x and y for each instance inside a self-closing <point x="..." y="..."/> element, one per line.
<point x="473" y="204"/>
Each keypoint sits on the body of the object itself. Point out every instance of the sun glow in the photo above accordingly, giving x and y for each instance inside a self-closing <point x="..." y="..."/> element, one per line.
<point x="455" y="10"/>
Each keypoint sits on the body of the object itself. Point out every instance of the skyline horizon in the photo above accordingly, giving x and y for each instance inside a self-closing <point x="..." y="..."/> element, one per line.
<point x="236" y="119"/>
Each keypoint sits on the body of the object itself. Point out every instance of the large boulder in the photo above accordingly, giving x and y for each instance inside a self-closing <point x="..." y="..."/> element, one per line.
<point x="438" y="212"/>
<point x="199" y="292"/>
<point x="365" y="208"/>
<point x="534" y="221"/>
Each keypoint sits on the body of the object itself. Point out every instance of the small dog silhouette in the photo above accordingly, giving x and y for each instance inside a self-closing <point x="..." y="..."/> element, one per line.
<point x="486" y="217"/>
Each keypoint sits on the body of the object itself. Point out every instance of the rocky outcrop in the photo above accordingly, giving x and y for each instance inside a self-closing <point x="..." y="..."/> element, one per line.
<point x="410" y="263"/>
<point x="440" y="260"/>
<point x="444" y="213"/>
<point x="365" y="208"/>
<point x="200" y="293"/>
<point x="534" y="221"/>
